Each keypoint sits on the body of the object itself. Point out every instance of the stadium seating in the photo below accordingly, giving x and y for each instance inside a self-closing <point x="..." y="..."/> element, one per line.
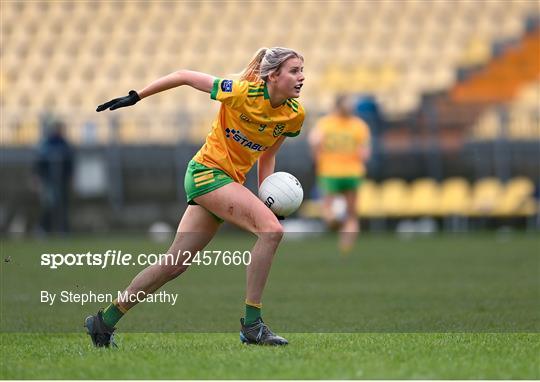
<point x="369" y="201"/>
<point x="486" y="194"/>
<point x="66" y="57"/>
<point x="501" y="80"/>
<point x="523" y="117"/>
<point x="454" y="197"/>
<point x="394" y="198"/>
<point x="517" y="199"/>
<point x="424" y="198"/>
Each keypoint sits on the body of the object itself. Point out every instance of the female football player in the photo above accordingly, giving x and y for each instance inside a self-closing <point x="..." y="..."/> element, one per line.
<point x="340" y="147"/>
<point x="257" y="112"/>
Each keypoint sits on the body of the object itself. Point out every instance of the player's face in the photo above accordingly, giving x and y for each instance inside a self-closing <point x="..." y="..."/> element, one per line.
<point x="290" y="79"/>
<point x="346" y="106"/>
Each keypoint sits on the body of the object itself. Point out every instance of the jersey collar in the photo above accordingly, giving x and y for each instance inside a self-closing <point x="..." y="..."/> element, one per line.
<point x="267" y="96"/>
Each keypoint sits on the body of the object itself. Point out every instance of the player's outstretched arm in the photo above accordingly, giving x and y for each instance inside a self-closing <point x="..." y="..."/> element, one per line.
<point x="197" y="80"/>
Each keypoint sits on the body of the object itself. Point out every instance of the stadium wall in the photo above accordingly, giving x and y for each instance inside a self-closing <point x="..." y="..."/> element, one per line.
<point x="128" y="187"/>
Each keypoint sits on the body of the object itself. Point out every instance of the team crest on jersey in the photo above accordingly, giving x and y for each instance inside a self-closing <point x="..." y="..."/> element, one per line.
<point x="226" y="86"/>
<point x="279" y="129"/>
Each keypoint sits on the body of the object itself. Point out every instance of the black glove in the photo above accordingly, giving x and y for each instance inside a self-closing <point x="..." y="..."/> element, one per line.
<point x="117" y="103"/>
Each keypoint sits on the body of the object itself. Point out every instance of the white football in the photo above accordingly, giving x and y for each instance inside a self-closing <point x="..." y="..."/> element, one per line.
<point x="282" y="193"/>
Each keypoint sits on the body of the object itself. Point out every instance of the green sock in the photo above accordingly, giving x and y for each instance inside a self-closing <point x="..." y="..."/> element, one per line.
<point x="112" y="314"/>
<point x="252" y="313"/>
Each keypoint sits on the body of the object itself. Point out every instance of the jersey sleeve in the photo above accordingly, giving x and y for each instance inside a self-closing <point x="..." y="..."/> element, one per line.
<point x="231" y="92"/>
<point x="294" y="128"/>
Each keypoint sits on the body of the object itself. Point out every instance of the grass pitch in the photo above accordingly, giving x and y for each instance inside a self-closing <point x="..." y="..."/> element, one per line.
<point x="309" y="356"/>
<point x="441" y="307"/>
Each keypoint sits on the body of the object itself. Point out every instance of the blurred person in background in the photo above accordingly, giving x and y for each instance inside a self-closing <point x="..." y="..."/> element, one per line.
<point x="340" y="145"/>
<point x="257" y="113"/>
<point x="53" y="168"/>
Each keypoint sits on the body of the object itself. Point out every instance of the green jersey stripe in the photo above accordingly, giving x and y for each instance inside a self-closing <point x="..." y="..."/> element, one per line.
<point x="292" y="134"/>
<point x="294" y="108"/>
<point x="215" y="87"/>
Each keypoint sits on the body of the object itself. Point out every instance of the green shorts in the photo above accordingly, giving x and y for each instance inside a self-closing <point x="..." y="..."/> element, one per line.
<point x="331" y="185"/>
<point x="200" y="180"/>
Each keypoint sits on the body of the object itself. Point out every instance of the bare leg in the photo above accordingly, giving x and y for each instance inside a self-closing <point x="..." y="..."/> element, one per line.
<point x="238" y="205"/>
<point x="327" y="212"/>
<point x="349" y="231"/>
<point x="195" y="231"/>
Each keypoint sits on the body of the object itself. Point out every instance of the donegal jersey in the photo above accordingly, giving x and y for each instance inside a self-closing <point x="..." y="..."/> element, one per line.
<point x="246" y="126"/>
<point x="341" y="140"/>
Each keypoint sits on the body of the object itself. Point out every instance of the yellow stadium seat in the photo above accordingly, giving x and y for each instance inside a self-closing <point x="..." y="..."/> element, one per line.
<point x="455" y="197"/>
<point x="424" y="198"/>
<point x="443" y="78"/>
<point x="3" y="83"/>
<point x="335" y="79"/>
<point x="517" y="199"/>
<point x="28" y="132"/>
<point x="379" y="35"/>
<point x="129" y="131"/>
<point x="522" y="125"/>
<point x="368" y="203"/>
<point x="310" y="209"/>
<point x="401" y="103"/>
<point x="362" y="79"/>
<point x="477" y="52"/>
<point x="488" y="125"/>
<point x="394" y="197"/>
<point x="486" y="194"/>
<point x="388" y="77"/>
<point x="529" y="94"/>
<point x="511" y="27"/>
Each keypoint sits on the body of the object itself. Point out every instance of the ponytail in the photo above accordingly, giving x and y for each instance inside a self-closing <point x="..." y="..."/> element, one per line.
<point x="266" y="61"/>
<point x="252" y="72"/>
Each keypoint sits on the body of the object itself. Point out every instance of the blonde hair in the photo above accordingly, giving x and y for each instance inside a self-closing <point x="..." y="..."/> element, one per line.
<point x="267" y="61"/>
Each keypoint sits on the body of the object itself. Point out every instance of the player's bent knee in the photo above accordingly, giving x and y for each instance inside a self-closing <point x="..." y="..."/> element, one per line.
<point x="272" y="231"/>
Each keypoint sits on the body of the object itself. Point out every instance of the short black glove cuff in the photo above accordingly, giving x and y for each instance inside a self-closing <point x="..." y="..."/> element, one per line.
<point x="134" y="96"/>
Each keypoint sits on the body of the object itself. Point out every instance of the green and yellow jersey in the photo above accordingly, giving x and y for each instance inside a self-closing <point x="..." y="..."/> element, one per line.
<point x="340" y="144"/>
<point x="246" y="126"/>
